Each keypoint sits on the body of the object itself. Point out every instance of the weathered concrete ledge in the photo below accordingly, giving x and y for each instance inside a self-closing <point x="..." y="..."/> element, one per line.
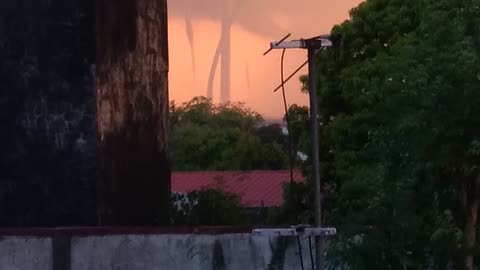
<point x="190" y="248"/>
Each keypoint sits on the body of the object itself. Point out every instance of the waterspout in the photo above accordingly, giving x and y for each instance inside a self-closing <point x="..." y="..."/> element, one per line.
<point x="189" y="30"/>
<point x="223" y="52"/>
<point x="213" y="69"/>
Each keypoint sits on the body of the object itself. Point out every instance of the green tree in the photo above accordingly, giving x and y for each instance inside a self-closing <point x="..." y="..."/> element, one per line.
<point x="399" y="105"/>
<point x="210" y="206"/>
<point x="205" y="136"/>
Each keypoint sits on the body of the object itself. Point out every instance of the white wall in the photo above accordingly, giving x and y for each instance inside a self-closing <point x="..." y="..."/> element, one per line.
<point x="25" y="253"/>
<point x="152" y="252"/>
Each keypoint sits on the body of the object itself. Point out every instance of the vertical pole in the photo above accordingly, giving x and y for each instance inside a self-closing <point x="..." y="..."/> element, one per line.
<point x="319" y="242"/>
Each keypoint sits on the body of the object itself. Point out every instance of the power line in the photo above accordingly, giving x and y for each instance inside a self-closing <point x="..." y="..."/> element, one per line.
<point x="312" y="45"/>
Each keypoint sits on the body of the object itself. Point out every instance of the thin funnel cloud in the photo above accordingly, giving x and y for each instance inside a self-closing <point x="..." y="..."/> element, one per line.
<point x="213" y="69"/>
<point x="269" y="18"/>
<point x="189" y="31"/>
<point x="223" y="53"/>
<point x="247" y="76"/>
<point x="225" y="40"/>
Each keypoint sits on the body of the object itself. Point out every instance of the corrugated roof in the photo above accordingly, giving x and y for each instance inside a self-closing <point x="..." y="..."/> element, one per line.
<point x="255" y="188"/>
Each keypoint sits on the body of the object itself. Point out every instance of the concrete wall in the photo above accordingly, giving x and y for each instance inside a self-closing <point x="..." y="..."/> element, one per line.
<point x="17" y="253"/>
<point x="235" y="251"/>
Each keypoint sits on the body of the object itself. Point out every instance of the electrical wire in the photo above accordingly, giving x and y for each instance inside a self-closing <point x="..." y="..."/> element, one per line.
<point x="290" y="143"/>
<point x="290" y="147"/>
<point x="293" y="73"/>
<point x="311" y="253"/>
<point x="300" y="253"/>
<point x="287" y="120"/>
<point x="291" y="76"/>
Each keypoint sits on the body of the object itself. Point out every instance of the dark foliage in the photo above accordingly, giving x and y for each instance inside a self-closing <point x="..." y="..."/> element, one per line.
<point x="207" y="136"/>
<point x="208" y="207"/>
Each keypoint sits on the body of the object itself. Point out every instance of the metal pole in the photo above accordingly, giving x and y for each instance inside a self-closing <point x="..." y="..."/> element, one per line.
<point x="319" y="242"/>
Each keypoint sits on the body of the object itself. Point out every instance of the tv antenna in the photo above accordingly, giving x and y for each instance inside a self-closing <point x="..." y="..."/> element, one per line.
<point x="312" y="45"/>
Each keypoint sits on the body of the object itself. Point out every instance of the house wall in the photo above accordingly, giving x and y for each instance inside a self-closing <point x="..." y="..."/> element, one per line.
<point x="229" y="251"/>
<point x="19" y="253"/>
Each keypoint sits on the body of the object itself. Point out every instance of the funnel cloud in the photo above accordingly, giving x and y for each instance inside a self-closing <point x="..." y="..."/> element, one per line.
<point x="265" y="18"/>
<point x="224" y="12"/>
<point x="189" y="31"/>
<point x="270" y="18"/>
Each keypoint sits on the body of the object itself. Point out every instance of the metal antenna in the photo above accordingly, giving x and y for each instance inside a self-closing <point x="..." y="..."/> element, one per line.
<point x="280" y="41"/>
<point x="312" y="45"/>
<point x="291" y="75"/>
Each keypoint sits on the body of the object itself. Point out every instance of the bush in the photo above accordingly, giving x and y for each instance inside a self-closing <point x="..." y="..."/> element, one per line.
<point x="208" y="207"/>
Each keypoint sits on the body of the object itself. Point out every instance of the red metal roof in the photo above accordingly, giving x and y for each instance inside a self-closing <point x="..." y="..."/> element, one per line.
<point x="255" y="188"/>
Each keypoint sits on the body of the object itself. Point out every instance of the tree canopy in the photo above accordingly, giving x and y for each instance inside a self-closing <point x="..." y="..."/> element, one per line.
<point x="206" y="136"/>
<point x="399" y="104"/>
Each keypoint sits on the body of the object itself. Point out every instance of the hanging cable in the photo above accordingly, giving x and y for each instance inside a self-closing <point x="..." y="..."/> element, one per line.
<point x="300" y="253"/>
<point x="290" y="146"/>
<point x="293" y="74"/>
<point x="311" y="252"/>
<point x="287" y="120"/>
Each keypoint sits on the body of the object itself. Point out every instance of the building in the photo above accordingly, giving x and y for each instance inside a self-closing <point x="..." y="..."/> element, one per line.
<point x="256" y="189"/>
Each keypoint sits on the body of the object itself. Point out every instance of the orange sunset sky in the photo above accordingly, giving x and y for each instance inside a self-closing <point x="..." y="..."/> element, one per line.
<point x="253" y="76"/>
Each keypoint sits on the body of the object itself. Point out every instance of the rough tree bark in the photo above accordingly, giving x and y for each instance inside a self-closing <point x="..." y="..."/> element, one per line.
<point x="132" y="112"/>
<point x="469" y="198"/>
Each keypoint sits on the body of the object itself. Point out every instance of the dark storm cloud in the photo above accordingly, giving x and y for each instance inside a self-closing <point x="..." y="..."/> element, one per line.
<point x="262" y="17"/>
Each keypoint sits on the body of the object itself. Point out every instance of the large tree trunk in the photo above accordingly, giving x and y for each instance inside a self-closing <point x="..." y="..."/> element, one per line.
<point x="132" y="111"/>
<point x="469" y="197"/>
